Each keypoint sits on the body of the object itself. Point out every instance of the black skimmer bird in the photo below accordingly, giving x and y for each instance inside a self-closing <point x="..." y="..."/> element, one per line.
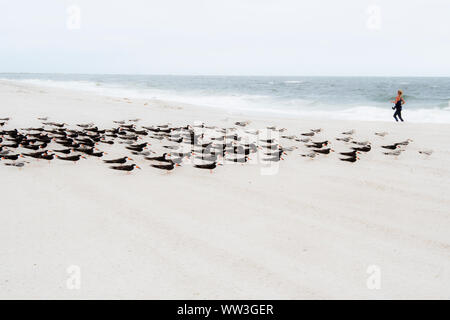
<point x="350" y="154"/>
<point x="381" y="134"/>
<point x="86" y="142"/>
<point x="317" y="145"/>
<point x="391" y="146"/>
<point x="209" y="166"/>
<point x="106" y="141"/>
<point x="363" y="149"/>
<point x="159" y="158"/>
<point x="30" y="147"/>
<point x="323" y="151"/>
<point x="138" y="147"/>
<point x="71" y="158"/>
<point x="47" y="156"/>
<point x="349" y="132"/>
<point x="36" y="155"/>
<point x="167" y="166"/>
<point x="34" y="129"/>
<point x="119" y="160"/>
<point x="351" y="159"/>
<point x="64" y="151"/>
<point x="125" y="168"/>
<point x="13" y="146"/>
<point x="97" y="154"/>
<point x="11" y="156"/>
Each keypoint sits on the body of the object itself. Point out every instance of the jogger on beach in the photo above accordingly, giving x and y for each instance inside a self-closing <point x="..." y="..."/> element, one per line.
<point x="399" y="101"/>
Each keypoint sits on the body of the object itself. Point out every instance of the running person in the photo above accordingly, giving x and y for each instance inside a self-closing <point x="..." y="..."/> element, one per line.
<point x="399" y="101"/>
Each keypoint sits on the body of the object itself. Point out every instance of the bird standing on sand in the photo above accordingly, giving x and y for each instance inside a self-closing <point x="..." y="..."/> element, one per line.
<point x="36" y="155"/>
<point x="323" y="151"/>
<point x="351" y="159"/>
<point x="168" y="166"/>
<point x="391" y="146"/>
<point x="209" y="166"/>
<point x="363" y="149"/>
<point x="350" y="154"/>
<point x="71" y="158"/>
<point x="64" y="151"/>
<point x="125" y="168"/>
<point x="159" y="158"/>
<point x="47" y="156"/>
<point x="11" y="157"/>
<point x="119" y="160"/>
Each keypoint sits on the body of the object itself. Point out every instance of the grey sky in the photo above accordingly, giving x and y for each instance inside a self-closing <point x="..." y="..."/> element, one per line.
<point x="238" y="37"/>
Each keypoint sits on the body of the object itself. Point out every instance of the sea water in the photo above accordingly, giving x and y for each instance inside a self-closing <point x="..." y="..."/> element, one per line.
<point x="351" y="98"/>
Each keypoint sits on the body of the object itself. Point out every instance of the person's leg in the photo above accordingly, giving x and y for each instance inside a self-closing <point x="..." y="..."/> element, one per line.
<point x="400" y="115"/>
<point x="395" y="115"/>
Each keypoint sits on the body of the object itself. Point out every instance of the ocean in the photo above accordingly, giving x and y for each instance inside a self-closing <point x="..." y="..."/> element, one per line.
<point x="350" y="98"/>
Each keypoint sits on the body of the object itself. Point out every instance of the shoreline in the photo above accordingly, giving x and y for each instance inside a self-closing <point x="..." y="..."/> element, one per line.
<point x="350" y="113"/>
<point x="309" y="231"/>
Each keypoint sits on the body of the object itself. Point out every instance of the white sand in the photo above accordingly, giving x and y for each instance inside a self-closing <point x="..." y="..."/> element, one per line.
<point x="309" y="231"/>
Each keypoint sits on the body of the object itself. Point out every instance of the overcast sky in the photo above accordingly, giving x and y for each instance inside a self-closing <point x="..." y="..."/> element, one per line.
<point x="229" y="37"/>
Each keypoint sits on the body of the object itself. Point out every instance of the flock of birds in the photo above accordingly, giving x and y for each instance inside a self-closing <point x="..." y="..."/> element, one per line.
<point x="205" y="147"/>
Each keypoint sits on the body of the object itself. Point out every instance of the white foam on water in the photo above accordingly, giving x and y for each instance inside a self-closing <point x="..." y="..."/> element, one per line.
<point x="292" y="81"/>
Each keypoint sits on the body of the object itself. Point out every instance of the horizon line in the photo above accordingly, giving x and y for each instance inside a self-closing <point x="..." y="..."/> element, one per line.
<point x="230" y="75"/>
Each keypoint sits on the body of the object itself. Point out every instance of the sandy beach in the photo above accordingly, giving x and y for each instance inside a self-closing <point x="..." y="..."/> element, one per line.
<point x="310" y="230"/>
